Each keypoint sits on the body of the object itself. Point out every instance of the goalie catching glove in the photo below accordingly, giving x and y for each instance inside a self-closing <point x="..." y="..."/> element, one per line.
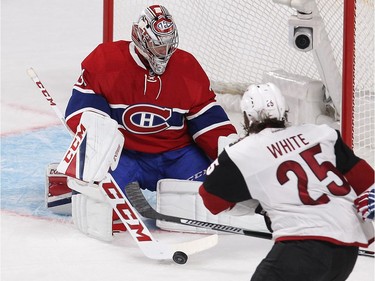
<point x="96" y="148"/>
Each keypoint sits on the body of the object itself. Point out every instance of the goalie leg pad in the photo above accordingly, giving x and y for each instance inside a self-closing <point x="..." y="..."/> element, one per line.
<point x="91" y="217"/>
<point x="91" y="213"/>
<point x="181" y="198"/>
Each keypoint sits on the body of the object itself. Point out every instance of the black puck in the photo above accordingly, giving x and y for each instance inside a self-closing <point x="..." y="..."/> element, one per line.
<point x="180" y="257"/>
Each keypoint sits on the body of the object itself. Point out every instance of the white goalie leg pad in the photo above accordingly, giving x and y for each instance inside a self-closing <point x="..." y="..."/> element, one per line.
<point x="96" y="147"/>
<point x="91" y="213"/>
<point x="180" y="198"/>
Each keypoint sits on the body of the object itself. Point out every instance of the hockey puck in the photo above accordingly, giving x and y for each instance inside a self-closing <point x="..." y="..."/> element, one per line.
<point x="180" y="257"/>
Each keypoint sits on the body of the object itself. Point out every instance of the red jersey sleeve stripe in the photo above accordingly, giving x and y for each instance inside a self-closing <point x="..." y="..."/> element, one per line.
<point x="214" y="203"/>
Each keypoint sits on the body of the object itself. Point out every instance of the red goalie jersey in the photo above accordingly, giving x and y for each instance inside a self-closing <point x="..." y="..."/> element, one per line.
<point x="155" y="113"/>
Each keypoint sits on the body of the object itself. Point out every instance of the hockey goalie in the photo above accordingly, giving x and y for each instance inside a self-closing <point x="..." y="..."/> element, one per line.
<point x="141" y="111"/>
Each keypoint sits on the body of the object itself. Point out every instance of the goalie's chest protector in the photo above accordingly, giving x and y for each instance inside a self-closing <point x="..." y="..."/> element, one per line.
<point x="149" y="108"/>
<point x="291" y="172"/>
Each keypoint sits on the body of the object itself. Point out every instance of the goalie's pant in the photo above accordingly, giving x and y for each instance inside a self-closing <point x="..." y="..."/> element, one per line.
<point x="187" y="163"/>
<point x="307" y="260"/>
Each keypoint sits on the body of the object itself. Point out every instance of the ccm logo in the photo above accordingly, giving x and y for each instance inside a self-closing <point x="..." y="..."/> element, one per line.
<point x="45" y="93"/>
<point x="78" y="138"/>
<point x="54" y="172"/>
<point x="125" y="211"/>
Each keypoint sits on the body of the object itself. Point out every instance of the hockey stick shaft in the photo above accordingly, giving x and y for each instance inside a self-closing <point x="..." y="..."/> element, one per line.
<point x="140" y="203"/>
<point x="118" y="201"/>
<point x="32" y="74"/>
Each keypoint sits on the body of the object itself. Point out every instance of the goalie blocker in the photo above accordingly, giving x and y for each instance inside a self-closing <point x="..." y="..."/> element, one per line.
<point x="95" y="149"/>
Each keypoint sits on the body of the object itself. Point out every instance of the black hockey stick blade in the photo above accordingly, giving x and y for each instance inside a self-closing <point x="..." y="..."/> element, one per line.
<point x="366" y="253"/>
<point x="137" y="199"/>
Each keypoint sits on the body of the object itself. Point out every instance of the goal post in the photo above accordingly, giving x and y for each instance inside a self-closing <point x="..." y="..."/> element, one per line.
<point x="240" y="42"/>
<point x="347" y="72"/>
<point x="108" y="20"/>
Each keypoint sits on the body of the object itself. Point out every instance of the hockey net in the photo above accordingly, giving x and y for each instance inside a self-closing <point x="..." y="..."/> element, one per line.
<point x="241" y="42"/>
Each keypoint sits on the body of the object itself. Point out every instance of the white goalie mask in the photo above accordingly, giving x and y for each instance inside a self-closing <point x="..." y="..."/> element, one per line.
<point x="155" y="35"/>
<point x="263" y="101"/>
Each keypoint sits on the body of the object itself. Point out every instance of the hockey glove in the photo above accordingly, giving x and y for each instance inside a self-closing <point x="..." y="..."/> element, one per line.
<point x="96" y="148"/>
<point x="365" y="204"/>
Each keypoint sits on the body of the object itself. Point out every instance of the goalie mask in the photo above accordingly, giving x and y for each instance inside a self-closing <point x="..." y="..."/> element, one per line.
<point x="263" y="101"/>
<point x="155" y="35"/>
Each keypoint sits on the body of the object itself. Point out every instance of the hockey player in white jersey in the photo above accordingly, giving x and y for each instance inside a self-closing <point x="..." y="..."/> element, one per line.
<point x="307" y="180"/>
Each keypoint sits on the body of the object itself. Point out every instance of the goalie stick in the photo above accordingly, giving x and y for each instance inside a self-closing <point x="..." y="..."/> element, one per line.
<point x="140" y="203"/>
<point x="32" y="74"/>
<point x="150" y="247"/>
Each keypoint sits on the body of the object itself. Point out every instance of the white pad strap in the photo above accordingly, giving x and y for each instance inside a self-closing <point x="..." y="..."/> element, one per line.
<point x="91" y="213"/>
<point x="180" y="198"/>
<point x="88" y="189"/>
<point x="96" y="147"/>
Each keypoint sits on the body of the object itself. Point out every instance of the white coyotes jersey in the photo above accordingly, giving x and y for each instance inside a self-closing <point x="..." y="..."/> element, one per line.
<point x="292" y="172"/>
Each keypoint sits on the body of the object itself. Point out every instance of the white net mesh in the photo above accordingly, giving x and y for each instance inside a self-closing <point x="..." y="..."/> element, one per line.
<point x="364" y="106"/>
<point x="237" y="41"/>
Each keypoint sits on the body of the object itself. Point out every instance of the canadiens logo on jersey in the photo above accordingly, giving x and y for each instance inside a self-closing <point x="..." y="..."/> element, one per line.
<point x="146" y="118"/>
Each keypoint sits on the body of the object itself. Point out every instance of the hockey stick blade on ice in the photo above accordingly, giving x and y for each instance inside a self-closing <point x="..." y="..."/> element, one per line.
<point x="128" y="215"/>
<point x="140" y="203"/>
<point x="140" y="233"/>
